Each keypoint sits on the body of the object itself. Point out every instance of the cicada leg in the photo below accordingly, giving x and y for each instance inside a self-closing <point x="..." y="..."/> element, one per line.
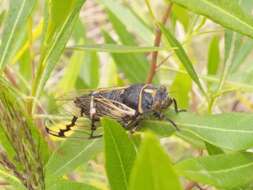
<point x="92" y="118"/>
<point x="176" y="107"/>
<point x="132" y="126"/>
<point x="161" y="116"/>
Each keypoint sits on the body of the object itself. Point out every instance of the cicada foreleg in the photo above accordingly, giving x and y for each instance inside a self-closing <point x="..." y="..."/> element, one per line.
<point x="176" y="107"/>
<point x="161" y="116"/>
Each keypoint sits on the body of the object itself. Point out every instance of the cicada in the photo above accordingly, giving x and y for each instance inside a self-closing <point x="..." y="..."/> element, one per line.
<point x="128" y="105"/>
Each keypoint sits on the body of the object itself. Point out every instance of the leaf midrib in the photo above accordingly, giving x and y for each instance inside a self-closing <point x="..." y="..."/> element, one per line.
<point x="199" y="126"/>
<point x="221" y="170"/>
<point x="120" y="159"/>
<point x="81" y="152"/>
<point x="228" y="13"/>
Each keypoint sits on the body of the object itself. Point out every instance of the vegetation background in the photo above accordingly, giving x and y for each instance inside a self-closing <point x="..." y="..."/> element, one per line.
<point x="200" y="49"/>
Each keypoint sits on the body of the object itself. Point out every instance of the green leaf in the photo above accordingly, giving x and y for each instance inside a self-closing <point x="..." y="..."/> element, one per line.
<point x="59" y="23"/>
<point x="153" y="169"/>
<point x="119" y="154"/>
<point x="90" y="70"/>
<point x="182" y="15"/>
<point x="241" y="56"/>
<point x="133" y="70"/>
<point x="228" y="13"/>
<point x="132" y="22"/>
<point x="213" y="56"/>
<point x="128" y="39"/>
<point x="182" y="56"/>
<point x="70" y="154"/>
<point x="17" y="16"/>
<point x="180" y="90"/>
<point x="115" y="48"/>
<point x="228" y="130"/>
<point x="67" y="185"/>
<point x="224" y="171"/>
<point x="161" y="128"/>
<point x="213" y="150"/>
<point x="71" y="73"/>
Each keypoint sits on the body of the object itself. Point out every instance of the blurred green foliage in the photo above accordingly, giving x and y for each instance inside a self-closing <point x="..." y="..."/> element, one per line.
<point x="54" y="48"/>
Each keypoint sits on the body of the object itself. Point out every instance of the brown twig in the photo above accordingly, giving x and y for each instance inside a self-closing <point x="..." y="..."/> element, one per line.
<point x="157" y="41"/>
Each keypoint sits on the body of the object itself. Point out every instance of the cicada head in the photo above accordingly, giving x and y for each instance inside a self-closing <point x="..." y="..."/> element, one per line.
<point x="161" y="99"/>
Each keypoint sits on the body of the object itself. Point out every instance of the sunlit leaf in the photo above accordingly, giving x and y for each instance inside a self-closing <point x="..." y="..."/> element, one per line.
<point x="213" y="56"/>
<point x="237" y="134"/>
<point x="114" y="48"/>
<point x="182" y="56"/>
<point x="153" y="169"/>
<point x="59" y="24"/>
<point x="15" y="23"/>
<point x="119" y="154"/>
<point x="228" y="13"/>
<point x="66" y="185"/>
<point x="224" y="171"/>
<point x="133" y="70"/>
<point x="70" y="154"/>
<point x="132" y="22"/>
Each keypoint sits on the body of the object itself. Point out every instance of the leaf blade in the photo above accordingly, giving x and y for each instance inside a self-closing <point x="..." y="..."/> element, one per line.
<point x="182" y="56"/>
<point x="16" y="22"/>
<point x="220" y="170"/>
<point x="119" y="154"/>
<point x="215" y="129"/>
<point x="149" y="175"/>
<point x="225" y="12"/>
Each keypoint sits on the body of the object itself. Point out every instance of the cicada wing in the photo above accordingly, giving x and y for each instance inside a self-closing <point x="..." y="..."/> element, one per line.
<point x="113" y="109"/>
<point x="64" y="118"/>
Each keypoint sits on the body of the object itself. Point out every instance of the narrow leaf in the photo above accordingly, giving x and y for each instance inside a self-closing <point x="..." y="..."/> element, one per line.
<point x="17" y="16"/>
<point x="60" y="21"/>
<point x="228" y="13"/>
<point x="129" y="39"/>
<point x="224" y="171"/>
<point x="119" y="154"/>
<point x="182" y="56"/>
<point x="66" y="185"/>
<point x="180" y="89"/>
<point x="153" y="169"/>
<point x="133" y="70"/>
<point x="132" y="22"/>
<point x="115" y="48"/>
<point x="213" y="56"/>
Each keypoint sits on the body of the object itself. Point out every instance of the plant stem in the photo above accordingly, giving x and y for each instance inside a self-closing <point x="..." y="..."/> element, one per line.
<point x="157" y="41"/>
